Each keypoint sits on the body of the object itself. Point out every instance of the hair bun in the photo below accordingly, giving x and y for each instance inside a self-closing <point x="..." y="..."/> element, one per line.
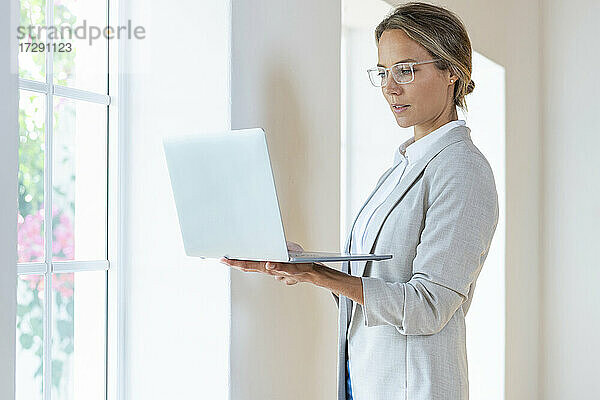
<point x="470" y="86"/>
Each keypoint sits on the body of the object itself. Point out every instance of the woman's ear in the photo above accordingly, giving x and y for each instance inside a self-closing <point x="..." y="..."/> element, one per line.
<point x="452" y="77"/>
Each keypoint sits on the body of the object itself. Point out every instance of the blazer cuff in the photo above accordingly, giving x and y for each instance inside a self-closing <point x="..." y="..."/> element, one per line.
<point x="375" y="309"/>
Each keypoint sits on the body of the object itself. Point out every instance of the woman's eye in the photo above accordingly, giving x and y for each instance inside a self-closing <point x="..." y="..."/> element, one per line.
<point x="381" y="74"/>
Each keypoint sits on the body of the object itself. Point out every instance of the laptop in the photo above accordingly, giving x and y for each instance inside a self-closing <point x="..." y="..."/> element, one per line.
<point x="226" y="199"/>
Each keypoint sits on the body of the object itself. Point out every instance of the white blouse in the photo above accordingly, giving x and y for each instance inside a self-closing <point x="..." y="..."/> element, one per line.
<point x="405" y="156"/>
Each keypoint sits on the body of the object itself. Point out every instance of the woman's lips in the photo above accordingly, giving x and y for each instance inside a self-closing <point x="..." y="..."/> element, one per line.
<point x="399" y="109"/>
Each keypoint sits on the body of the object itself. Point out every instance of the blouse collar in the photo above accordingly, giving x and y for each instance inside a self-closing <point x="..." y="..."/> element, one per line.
<point x="413" y="151"/>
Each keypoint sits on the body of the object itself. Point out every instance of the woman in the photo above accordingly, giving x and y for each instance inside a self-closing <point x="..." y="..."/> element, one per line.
<point x="402" y="320"/>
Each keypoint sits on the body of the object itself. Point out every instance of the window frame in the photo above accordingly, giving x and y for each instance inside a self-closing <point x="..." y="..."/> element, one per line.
<point x="114" y="307"/>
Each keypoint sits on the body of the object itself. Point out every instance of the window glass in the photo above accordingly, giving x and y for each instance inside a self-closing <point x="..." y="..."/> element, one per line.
<point x="30" y="217"/>
<point x="79" y="200"/>
<point x="30" y="337"/>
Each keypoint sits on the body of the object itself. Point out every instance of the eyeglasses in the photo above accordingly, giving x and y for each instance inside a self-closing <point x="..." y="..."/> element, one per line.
<point x="402" y="73"/>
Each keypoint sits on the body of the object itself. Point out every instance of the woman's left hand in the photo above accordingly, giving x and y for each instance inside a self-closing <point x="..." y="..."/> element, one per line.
<point x="316" y="273"/>
<point x="290" y="273"/>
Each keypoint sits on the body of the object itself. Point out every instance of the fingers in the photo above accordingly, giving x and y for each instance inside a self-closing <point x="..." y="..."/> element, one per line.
<point x="244" y="265"/>
<point x="293" y="246"/>
<point x="287" y="280"/>
<point x="285" y="272"/>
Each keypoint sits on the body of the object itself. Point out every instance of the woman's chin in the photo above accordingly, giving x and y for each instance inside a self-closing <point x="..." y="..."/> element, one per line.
<point x="403" y="122"/>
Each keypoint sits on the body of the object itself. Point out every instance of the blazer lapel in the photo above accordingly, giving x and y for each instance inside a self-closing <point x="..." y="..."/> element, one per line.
<point x="346" y="264"/>
<point x="454" y="135"/>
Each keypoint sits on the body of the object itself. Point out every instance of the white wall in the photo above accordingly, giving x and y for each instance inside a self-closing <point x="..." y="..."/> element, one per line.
<point x="177" y="308"/>
<point x="571" y="196"/>
<point x="283" y="339"/>
<point x="486" y="321"/>
<point x="285" y="78"/>
<point x="8" y="195"/>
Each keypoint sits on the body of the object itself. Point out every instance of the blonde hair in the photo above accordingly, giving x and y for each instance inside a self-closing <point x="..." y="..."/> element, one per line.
<point x="442" y="34"/>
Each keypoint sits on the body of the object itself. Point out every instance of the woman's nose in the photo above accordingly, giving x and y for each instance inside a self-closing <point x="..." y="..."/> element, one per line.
<point x="393" y="87"/>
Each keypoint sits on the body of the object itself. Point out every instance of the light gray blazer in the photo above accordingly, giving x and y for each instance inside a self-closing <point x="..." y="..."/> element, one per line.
<point x="408" y="340"/>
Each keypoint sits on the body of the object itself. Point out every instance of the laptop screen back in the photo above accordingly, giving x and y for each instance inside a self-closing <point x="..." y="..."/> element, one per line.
<point x="225" y="195"/>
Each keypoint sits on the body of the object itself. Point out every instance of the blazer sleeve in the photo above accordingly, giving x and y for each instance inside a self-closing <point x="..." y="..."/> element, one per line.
<point x="460" y="220"/>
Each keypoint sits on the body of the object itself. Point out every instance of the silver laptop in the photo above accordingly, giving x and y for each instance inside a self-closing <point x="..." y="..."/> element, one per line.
<point x="226" y="199"/>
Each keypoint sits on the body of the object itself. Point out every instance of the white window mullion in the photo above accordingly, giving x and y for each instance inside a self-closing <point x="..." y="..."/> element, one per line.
<point x="64" y="91"/>
<point x="48" y="189"/>
<point x="40" y="268"/>
<point x="115" y="377"/>
<point x="78" y="94"/>
<point x="78" y="266"/>
<point x="34" y="86"/>
<point x="37" y="268"/>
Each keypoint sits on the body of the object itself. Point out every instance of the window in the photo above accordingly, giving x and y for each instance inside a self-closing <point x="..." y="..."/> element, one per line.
<point x="63" y="197"/>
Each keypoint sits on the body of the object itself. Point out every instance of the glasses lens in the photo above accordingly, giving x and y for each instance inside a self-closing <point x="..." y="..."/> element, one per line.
<point x="377" y="76"/>
<point x="402" y="73"/>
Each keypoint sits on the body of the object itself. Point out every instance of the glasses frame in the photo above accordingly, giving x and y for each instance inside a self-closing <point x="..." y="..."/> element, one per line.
<point x="388" y="71"/>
